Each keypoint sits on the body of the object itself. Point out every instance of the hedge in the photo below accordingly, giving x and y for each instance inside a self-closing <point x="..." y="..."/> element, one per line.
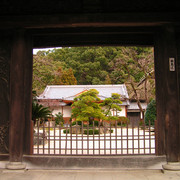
<point x="96" y="131"/>
<point x="96" y="123"/>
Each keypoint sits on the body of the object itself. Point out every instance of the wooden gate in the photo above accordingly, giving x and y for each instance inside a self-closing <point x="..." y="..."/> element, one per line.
<point x="98" y="138"/>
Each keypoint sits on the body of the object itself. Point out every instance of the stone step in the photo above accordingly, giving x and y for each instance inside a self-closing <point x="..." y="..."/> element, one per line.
<point x="101" y="162"/>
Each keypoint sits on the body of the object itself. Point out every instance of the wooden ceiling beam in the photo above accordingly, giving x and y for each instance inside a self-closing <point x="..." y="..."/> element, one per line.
<point x="93" y="30"/>
<point x="89" y="20"/>
<point x="93" y="40"/>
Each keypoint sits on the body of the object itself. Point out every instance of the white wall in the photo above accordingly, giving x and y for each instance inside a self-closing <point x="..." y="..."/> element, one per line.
<point x="66" y="110"/>
<point x="120" y="113"/>
<point x="123" y="112"/>
<point x="55" y="110"/>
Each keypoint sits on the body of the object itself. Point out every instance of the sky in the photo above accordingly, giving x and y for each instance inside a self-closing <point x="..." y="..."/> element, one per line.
<point x="44" y="49"/>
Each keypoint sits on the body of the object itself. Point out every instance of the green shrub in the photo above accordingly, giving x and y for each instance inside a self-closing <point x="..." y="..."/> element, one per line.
<point x="96" y="131"/>
<point x="150" y="114"/>
<point x="78" y="123"/>
<point x="141" y="123"/>
<point x="111" y="131"/>
<point x="96" y="123"/>
<point x="59" y="119"/>
<point x="39" y="111"/>
<point x="121" y="124"/>
<point x="66" y="130"/>
<point x="85" y="131"/>
<point x="123" y="121"/>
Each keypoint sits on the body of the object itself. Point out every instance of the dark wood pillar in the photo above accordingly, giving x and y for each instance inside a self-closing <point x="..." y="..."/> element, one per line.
<point x="171" y="96"/>
<point x="17" y="98"/>
<point x="160" y="93"/>
<point x="28" y="68"/>
<point x="168" y="92"/>
<point x="178" y="69"/>
<point x="5" y="56"/>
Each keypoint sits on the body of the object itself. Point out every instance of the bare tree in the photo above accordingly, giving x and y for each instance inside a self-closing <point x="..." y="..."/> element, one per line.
<point x="137" y="67"/>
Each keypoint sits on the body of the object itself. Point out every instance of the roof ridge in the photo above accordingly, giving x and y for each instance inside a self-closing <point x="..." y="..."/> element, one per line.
<point x="89" y="85"/>
<point x="70" y="91"/>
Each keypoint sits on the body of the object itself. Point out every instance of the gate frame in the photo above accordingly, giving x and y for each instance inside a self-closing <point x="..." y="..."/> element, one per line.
<point x="165" y="42"/>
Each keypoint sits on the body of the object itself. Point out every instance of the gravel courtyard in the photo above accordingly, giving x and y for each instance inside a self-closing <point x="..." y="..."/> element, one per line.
<point x="122" y="141"/>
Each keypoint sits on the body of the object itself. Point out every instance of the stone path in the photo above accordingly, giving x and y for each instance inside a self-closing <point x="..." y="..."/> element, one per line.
<point x="93" y="174"/>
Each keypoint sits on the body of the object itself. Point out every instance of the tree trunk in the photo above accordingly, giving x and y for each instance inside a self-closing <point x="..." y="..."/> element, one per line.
<point x="137" y="98"/>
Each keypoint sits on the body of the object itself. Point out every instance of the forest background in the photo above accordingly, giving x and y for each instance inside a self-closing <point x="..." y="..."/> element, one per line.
<point x="133" y="66"/>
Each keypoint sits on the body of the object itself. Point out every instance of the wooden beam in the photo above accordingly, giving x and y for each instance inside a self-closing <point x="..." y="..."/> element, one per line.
<point x="167" y="95"/>
<point x="85" y="6"/>
<point x="171" y="96"/>
<point x="17" y="108"/>
<point x="160" y="93"/>
<point x="178" y="65"/>
<point x="93" y="30"/>
<point x="28" y="69"/>
<point x="89" y="36"/>
<point x="90" y="20"/>
<point x="106" y="39"/>
<point x="5" y="56"/>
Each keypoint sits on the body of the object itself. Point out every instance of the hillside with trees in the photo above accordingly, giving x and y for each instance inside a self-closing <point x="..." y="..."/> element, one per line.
<point x="133" y="66"/>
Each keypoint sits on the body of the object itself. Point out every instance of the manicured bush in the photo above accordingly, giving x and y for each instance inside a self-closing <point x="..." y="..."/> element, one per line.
<point x="77" y="122"/>
<point x="66" y="131"/>
<point x="150" y="114"/>
<point x="96" y="123"/>
<point x="96" y="131"/>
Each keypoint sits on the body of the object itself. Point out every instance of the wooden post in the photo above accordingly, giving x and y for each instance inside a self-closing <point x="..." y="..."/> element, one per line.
<point x="28" y="68"/>
<point x="167" y="93"/>
<point x="171" y="96"/>
<point x="178" y="69"/>
<point x="17" y="106"/>
<point x="5" y="56"/>
<point x="167" y="98"/>
<point x="160" y="93"/>
<point x="178" y="63"/>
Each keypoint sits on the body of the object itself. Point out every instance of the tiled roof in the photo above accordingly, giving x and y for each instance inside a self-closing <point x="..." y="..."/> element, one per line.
<point x="134" y="106"/>
<point x="68" y="92"/>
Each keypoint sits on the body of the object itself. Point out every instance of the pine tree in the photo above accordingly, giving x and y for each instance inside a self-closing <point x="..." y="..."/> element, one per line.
<point x="112" y="104"/>
<point x="86" y="106"/>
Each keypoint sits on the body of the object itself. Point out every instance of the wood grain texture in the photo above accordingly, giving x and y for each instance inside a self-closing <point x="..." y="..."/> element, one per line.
<point x="17" y="91"/>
